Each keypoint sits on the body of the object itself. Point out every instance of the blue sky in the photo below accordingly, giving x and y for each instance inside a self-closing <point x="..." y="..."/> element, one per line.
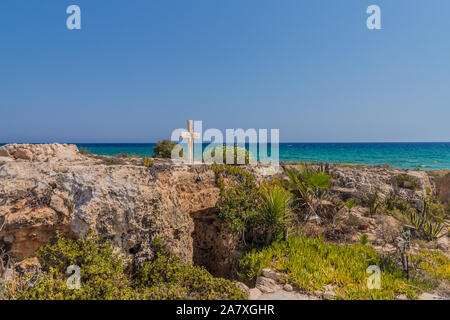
<point x="139" y="69"/>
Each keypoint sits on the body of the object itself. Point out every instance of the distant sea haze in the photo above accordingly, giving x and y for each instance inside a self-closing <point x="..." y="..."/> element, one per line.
<point x="425" y="156"/>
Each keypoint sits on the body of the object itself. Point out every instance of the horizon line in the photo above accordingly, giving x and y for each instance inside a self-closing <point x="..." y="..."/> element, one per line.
<point x="282" y="142"/>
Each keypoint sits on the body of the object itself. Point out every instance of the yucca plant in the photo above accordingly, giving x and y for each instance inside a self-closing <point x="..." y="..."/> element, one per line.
<point x="275" y="212"/>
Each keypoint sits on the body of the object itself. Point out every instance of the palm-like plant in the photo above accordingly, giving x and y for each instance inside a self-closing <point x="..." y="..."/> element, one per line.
<point x="275" y="211"/>
<point x="310" y="187"/>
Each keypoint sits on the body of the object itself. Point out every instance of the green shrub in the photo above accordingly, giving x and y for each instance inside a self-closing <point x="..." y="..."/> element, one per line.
<point x="126" y="155"/>
<point x="310" y="264"/>
<point x="364" y="239"/>
<point x="148" y="162"/>
<point x="311" y="190"/>
<point x="238" y="154"/>
<point x="103" y="276"/>
<point x="164" y="149"/>
<point x="239" y="196"/>
<point x="102" y="271"/>
<point x="349" y="204"/>
<point x="84" y="151"/>
<point x="274" y="214"/>
<point x="432" y="262"/>
<point x="167" y="278"/>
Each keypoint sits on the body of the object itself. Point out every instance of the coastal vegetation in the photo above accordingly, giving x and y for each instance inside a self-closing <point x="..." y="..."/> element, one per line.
<point x="164" y="149"/>
<point x="278" y="208"/>
<point x="239" y="155"/>
<point x="148" y="162"/>
<point x="310" y="264"/>
<point x="314" y="229"/>
<point x="105" y="275"/>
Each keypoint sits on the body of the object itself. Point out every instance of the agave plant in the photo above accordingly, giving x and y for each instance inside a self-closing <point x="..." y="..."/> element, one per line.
<point x="417" y="220"/>
<point x="433" y="231"/>
<point x="423" y="225"/>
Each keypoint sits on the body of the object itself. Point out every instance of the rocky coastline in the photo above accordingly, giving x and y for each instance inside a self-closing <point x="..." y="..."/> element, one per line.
<point x="53" y="187"/>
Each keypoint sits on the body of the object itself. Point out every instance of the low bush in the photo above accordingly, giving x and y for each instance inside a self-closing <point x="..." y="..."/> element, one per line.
<point x="310" y="264"/>
<point x="239" y="155"/>
<point x="164" y="149"/>
<point x="127" y="155"/>
<point x="432" y="262"/>
<point x="167" y="278"/>
<point x="148" y="162"/>
<point x="84" y="151"/>
<point x="104" y="277"/>
<point x="239" y="196"/>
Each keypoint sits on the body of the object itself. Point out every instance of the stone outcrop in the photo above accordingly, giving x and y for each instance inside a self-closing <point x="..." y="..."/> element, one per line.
<point x="45" y="188"/>
<point x="357" y="181"/>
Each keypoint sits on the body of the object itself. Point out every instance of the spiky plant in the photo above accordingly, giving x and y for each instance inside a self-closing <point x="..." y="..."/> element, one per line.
<point x="275" y="212"/>
<point x="310" y="188"/>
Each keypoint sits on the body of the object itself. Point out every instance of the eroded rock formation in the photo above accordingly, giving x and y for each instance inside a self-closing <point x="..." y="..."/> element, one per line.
<point x="45" y="188"/>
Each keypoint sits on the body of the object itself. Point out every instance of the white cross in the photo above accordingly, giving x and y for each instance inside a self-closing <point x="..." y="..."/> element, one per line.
<point x="190" y="135"/>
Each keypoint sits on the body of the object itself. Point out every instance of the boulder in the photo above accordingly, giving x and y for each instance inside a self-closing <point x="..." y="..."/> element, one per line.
<point x="267" y="285"/>
<point x="268" y="273"/>
<point x="287" y="287"/>
<point x="23" y="154"/>
<point x="4" y="152"/>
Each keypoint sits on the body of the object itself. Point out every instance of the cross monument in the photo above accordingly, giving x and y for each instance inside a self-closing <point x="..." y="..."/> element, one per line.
<point x="190" y="135"/>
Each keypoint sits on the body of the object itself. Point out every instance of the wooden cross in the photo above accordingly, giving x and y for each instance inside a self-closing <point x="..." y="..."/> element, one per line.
<point x="190" y="135"/>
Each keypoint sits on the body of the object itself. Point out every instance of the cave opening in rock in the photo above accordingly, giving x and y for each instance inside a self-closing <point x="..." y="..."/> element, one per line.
<point x="214" y="247"/>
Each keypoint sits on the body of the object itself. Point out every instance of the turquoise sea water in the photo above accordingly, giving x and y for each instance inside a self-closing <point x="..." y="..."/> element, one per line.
<point x="426" y="156"/>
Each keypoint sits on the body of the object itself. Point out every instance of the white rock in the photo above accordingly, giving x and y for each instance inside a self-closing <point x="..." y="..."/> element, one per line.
<point x="254" y="294"/>
<point x="271" y="274"/>
<point x="429" y="296"/>
<point x="287" y="287"/>
<point x="329" y="295"/>
<point x="267" y="285"/>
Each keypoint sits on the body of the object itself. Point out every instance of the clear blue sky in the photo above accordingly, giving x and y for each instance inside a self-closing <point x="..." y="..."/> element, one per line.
<point x="138" y="69"/>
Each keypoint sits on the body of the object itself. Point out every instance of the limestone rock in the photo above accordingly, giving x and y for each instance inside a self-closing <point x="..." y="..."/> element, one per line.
<point x="23" y="154"/>
<point x="4" y="153"/>
<point x="429" y="296"/>
<point x="268" y="273"/>
<point x="287" y="287"/>
<point x="328" y="295"/>
<point x="254" y="294"/>
<point x="267" y="285"/>
<point x="329" y="292"/>
<point x="131" y="205"/>
<point x="4" y="160"/>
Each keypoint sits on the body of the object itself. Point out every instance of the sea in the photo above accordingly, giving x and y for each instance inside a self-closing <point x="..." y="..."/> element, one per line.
<point x="424" y="156"/>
